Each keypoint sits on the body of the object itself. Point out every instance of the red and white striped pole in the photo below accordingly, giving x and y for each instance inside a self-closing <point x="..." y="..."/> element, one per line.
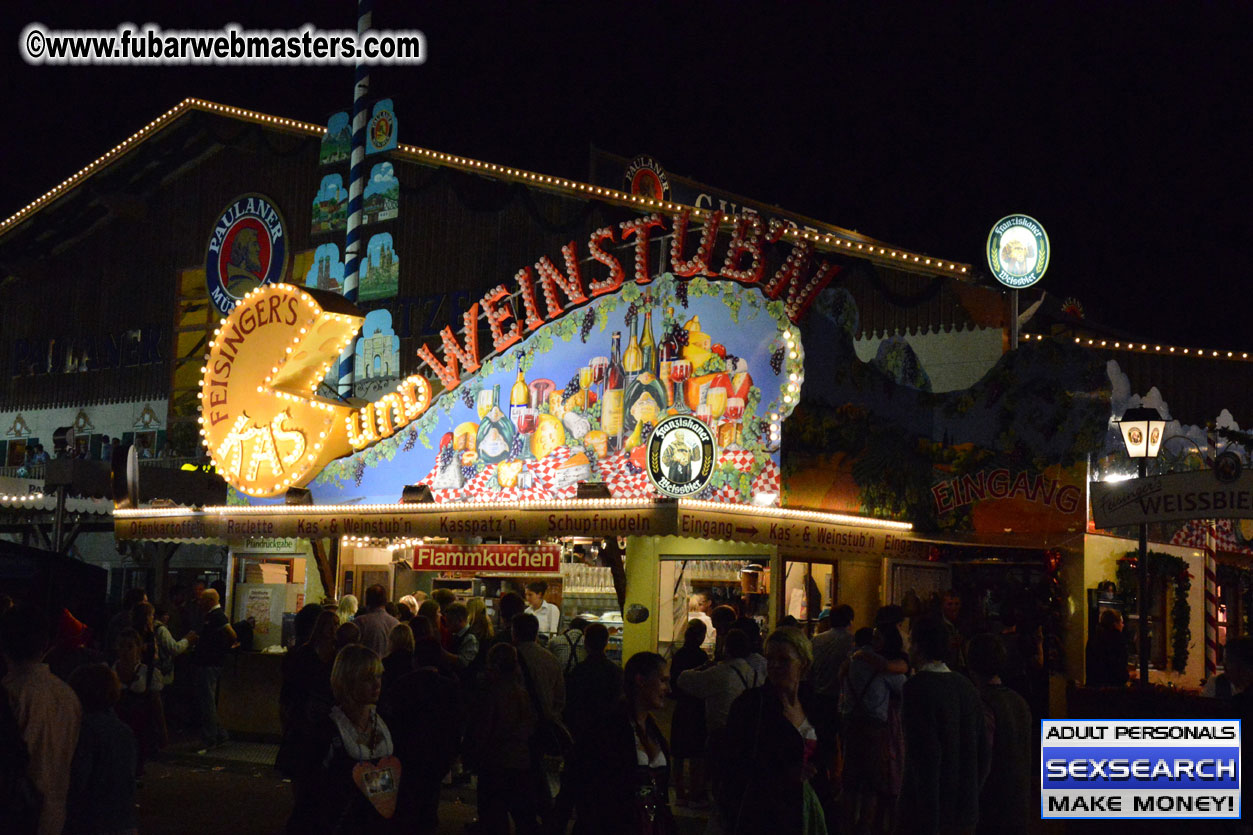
<point x="1211" y="601"/>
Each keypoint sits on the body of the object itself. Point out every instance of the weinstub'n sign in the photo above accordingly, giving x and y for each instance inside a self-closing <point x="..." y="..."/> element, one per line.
<point x="267" y="429"/>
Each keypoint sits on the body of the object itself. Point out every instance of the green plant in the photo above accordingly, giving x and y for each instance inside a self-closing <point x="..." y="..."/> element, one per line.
<point x="1163" y="568"/>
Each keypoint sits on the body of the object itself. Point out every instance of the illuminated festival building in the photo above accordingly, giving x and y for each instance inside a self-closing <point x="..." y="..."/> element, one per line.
<point x="636" y="388"/>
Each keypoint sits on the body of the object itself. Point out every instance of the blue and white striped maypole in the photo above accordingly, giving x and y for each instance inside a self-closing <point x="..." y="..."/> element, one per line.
<point x="356" y="186"/>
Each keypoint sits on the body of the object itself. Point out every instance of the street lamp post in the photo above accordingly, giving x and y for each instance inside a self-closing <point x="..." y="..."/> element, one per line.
<point x="1142" y="430"/>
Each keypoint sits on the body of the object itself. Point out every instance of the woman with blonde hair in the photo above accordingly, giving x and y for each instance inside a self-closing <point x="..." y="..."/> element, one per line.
<point x="776" y="767"/>
<point x="353" y="735"/>
<point x="399" y="658"/>
<point x="480" y="624"/>
<point x="621" y="778"/>
<point x="347" y="609"/>
<point x="407" y="608"/>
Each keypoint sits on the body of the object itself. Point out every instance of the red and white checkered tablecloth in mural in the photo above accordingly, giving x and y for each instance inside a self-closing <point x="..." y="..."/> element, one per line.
<point x="766" y="481"/>
<point x="1192" y="535"/>
<point x="483" y="488"/>
<point x="770" y="480"/>
<point x="624" y="479"/>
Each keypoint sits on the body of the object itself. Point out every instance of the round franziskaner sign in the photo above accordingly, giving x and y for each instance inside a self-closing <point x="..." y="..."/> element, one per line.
<point x="248" y="248"/>
<point x="681" y="456"/>
<point x="1018" y="251"/>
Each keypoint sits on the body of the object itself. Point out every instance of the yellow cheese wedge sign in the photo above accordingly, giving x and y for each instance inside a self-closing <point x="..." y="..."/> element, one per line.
<point x="262" y="422"/>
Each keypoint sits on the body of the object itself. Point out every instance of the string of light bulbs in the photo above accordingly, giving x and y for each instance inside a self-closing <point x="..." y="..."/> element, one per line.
<point x="1148" y="348"/>
<point x="875" y="250"/>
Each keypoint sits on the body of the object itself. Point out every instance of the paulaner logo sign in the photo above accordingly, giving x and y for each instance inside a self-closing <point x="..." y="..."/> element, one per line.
<point x="646" y="177"/>
<point x="248" y="248"/>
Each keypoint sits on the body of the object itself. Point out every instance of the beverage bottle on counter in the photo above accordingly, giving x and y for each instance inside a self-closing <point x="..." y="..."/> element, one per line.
<point x="615" y="386"/>
<point x="519" y="398"/>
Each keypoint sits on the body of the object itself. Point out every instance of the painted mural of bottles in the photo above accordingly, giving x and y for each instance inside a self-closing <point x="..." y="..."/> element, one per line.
<point x="648" y="347"/>
<point x="644" y="401"/>
<point x="669" y="352"/>
<point x="496" y="433"/>
<point x="519" y="399"/>
<point x="633" y="358"/>
<point x="680" y="370"/>
<point x="600" y="366"/>
<point x="615" y="385"/>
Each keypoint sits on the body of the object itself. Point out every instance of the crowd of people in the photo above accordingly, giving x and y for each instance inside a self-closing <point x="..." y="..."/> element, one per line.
<point x="384" y="702"/>
<point x="849" y="732"/>
<point x="844" y="732"/>
<point x="83" y="713"/>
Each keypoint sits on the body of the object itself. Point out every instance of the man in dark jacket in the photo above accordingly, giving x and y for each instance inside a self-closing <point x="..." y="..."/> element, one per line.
<point x="216" y="640"/>
<point x="594" y="685"/>
<point x="1005" y="801"/>
<point x="593" y="691"/>
<point x="1106" y="653"/>
<point x="426" y="714"/>
<point x="946" y="749"/>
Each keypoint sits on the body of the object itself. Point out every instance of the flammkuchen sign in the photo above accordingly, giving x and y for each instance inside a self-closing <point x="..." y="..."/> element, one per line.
<point x="511" y="559"/>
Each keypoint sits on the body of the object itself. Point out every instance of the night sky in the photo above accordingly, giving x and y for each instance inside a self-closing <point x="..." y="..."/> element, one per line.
<point x="1124" y="131"/>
